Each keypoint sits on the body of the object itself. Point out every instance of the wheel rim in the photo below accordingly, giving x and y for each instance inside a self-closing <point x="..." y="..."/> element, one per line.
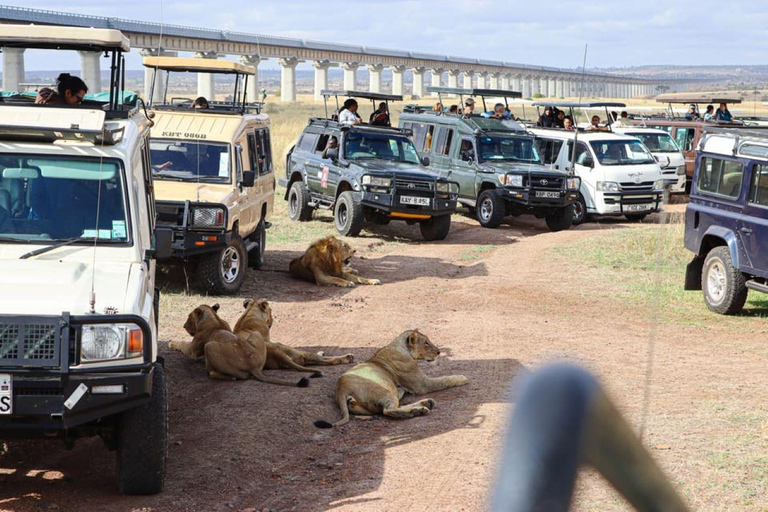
<point x="341" y="214"/>
<point x="486" y="209"/>
<point x="578" y="211"/>
<point x="716" y="282"/>
<point x="230" y="264"/>
<point x="293" y="204"/>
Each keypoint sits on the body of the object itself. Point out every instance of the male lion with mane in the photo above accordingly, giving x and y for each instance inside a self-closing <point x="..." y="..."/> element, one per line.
<point x="326" y="262"/>
<point x="377" y="385"/>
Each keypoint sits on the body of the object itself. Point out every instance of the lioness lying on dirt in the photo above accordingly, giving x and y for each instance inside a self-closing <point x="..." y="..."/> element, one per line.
<point x="227" y="356"/>
<point x="258" y="318"/>
<point x="326" y="262"/>
<point x="377" y="385"/>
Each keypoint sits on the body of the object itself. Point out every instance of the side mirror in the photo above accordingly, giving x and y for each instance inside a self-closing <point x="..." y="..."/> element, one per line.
<point x="588" y="162"/>
<point x="425" y="161"/>
<point x="249" y="178"/>
<point x="163" y="239"/>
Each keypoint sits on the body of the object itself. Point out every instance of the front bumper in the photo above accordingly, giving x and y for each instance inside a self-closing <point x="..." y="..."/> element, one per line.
<point x="390" y="203"/>
<point x="528" y="197"/>
<point x="191" y="240"/>
<point x="628" y="202"/>
<point x="189" y="244"/>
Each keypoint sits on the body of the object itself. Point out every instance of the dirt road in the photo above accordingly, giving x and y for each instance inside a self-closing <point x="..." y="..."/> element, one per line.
<point x="495" y="301"/>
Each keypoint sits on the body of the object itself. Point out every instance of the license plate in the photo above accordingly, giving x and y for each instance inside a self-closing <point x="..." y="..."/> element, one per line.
<point x="6" y="394"/>
<point x="417" y="201"/>
<point x="553" y="195"/>
<point x="637" y="207"/>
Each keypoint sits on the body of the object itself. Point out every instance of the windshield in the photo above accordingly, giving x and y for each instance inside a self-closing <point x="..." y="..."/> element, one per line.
<point x="657" y="142"/>
<point x="178" y="160"/>
<point x="45" y="199"/>
<point x="396" y="148"/>
<point x="621" y="152"/>
<point x="510" y="149"/>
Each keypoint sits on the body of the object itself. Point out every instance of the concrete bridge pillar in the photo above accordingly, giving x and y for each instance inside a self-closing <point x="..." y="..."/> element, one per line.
<point x="535" y="85"/>
<point x="493" y="80"/>
<point x="552" y="87"/>
<point x="482" y="79"/>
<point x="559" y="87"/>
<point x="504" y="82"/>
<point x="159" y="92"/>
<point x="526" y="87"/>
<point x="453" y="77"/>
<point x="13" y="68"/>
<point x="468" y="76"/>
<point x="321" y="76"/>
<point x="437" y="78"/>
<point x="544" y="86"/>
<point x="418" y="81"/>
<point x="205" y="81"/>
<point x="252" y="89"/>
<point x="517" y="83"/>
<point x="288" y="78"/>
<point x="90" y="69"/>
<point x="350" y="75"/>
<point x="375" y="77"/>
<point x="397" y="79"/>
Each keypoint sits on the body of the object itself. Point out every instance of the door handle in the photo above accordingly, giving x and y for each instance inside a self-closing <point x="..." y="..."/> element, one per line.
<point x="746" y="231"/>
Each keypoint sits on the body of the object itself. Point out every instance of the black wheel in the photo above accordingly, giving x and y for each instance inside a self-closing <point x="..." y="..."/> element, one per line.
<point x="435" y="228"/>
<point x="223" y="272"/>
<point x="579" y="210"/>
<point x="491" y="209"/>
<point x="348" y="215"/>
<point x="561" y="219"/>
<point x="725" y="289"/>
<point x="142" y="442"/>
<point x="635" y="217"/>
<point x="256" y="255"/>
<point x="298" y="202"/>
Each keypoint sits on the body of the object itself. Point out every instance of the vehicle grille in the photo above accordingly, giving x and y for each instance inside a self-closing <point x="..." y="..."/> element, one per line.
<point x="406" y="185"/>
<point x="170" y="214"/>
<point x="643" y="185"/>
<point x="543" y="182"/>
<point x="29" y="343"/>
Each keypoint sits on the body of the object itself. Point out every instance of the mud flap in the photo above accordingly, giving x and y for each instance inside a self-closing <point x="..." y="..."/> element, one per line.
<point x="693" y="273"/>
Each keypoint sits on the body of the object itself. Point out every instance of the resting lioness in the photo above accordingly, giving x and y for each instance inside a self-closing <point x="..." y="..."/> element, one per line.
<point x="377" y="385"/>
<point x="258" y="318"/>
<point x="204" y="325"/>
<point x="326" y="262"/>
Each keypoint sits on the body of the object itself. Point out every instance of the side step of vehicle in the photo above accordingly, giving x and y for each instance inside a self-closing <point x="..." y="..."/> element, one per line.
<point x="758" y="287"/>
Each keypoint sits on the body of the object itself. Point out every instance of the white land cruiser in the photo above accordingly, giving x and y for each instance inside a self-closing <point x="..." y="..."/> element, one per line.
<point x="79" y="309"/>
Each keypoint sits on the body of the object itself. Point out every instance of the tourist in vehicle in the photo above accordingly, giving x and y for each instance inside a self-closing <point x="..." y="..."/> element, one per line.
<point x="348" y="114"/>
<point x="709" y="115"/>
<point x="691" y="115"/>
<point x="568" y="124"/>
<point x="623" y="119"/>
<point x="722" y="113"/>
<point x="438" y="107"/>
<point x="331" y="149"/>
<point x="498" y="112"/>
<point x="70" y="90"/>
<point x="454" y="109"/>
<point x="380" y="116"/>
<point x="595" y="125"/>
<point x="547" y="119"/>
<point x="469" y="107"/>
<point x="560" y="119"/>
<point x="200" y="102"/>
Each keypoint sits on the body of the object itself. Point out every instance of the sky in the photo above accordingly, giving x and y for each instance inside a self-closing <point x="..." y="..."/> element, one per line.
<point x="618" y="33"/>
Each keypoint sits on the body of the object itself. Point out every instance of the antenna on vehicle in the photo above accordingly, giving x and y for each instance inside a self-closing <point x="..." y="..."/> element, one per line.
<point x="581" y="91"/>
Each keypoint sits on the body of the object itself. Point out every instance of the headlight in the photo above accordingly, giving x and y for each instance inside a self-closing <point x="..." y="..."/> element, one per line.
<point x="207" y="217"/>
<point x="513" y="180"/>
<point x="106" y="342"/>
<point x="681" y="170"/>
<point x="447" y="187"/>
<point x="375" y="181"/>
<point x="607" y="186"/>
<point x="573" y="183"/>
<point x="658" y="184"/>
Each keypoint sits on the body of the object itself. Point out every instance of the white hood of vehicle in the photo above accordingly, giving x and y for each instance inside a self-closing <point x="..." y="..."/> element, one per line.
<point x="39" y="286"/>
<point x="630" y="173"/>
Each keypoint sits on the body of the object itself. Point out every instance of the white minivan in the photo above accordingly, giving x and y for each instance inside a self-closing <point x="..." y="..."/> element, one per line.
<point x="666" y="151"/>
<point x="619" y="176"/>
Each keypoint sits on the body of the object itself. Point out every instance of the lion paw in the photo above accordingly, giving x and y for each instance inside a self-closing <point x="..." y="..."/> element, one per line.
<point x="172" y="345"/>
<point x="348" y="358"/>
<point x="374" y="281"/>
<point x="428" y="403"/>
<point x="348" y="284"/>
<point x="320" y="353"/>
<point x="461" y="380"/>
<point x="420" y="411"/>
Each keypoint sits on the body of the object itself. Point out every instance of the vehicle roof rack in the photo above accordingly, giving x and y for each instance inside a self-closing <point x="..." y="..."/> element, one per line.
<point x="20" y="123"/>
<point x="197" y="65"/>
<point x="63" y="38"/>
<point x="696" y="98"/>
<point x="327" y="93"/>
<point x="491" y="93"/>
<point x="576" y="104"/>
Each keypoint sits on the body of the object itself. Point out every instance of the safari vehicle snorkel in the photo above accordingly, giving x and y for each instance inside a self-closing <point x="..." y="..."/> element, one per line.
<point x="78" y="243"/>
<point x="213" y="169"/>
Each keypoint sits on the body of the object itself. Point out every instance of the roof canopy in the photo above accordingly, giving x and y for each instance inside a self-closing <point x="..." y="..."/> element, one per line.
<point x="63" y="38"/>
<point x="492" y="93"/>
<point x="189" y="64"/>
<point x="363" y="94"/>
<point x="697" y="98"/>
<point x="574" y="104"/>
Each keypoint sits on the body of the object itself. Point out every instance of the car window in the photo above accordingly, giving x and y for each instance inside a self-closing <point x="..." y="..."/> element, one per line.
<point x="264" y="151"/>
<point x="467" y="151"/>
<point x="443" y="142"/>
<point x="758" y="192"/>
<point x="582" y="153"/>
<point x="322" y="142"/>
<point x="181" y="160"/>
<point x="367" y="146"/>
<point x="549" y="149"/>
<point x="422" y="135"/>
<point x="666" y="128"/>
<point x="721" y="177"/>
<point x="307" y="142"/>
<point x="621" y="152"/>
<point x="684" y="138"/>
<point x="657" y="142"/>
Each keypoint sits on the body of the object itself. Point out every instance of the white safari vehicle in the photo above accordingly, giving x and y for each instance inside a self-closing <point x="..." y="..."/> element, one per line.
<point x="213" y="174"/>
<point x="79" y="309"/>
<point x="666" y="152"/>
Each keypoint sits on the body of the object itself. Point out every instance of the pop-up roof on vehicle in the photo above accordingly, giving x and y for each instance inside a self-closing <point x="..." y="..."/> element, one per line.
<point x="482" y="93"/>
<point x="576" y="104"/>
<point x="373" y="96"/>
<point x="63" y="38"/>
<point x="696" y="98"/>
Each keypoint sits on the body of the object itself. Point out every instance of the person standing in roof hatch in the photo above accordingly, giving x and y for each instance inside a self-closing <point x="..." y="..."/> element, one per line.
<point x="348" y="114"/>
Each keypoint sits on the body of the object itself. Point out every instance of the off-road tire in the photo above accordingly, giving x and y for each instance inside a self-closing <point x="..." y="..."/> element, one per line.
<point x="579" y="208"/>
<point x="142" y="442"/>
<point x="298" y="202"/>
<point x="491" y="209"/>
<point x="210" y="269"/>
<point x="435" y="228"/>
<point x="733" y="288"/>
<point x="561" y="219"/>
<point x="635" y="217"/>
<point x="348" y="216"/>
<point x="256" y="255"/>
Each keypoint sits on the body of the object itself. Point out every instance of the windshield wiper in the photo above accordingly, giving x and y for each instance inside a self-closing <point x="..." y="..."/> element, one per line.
<point x="14" y="239"/>
<point x="61" y="242"/>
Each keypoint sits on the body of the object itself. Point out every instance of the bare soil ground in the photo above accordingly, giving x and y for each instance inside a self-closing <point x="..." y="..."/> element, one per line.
<point x="496" y="302"/>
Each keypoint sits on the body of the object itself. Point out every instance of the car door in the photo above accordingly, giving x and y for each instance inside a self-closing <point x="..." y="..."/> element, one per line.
<point x="753" y="229"/>
<point x="463" y="169"/>
<point x="244" y="214"/>
<point x="685" y="136"/>
<point x="329" y="171"/>
<point x="305" y="151"/>
<point x="260" y="153"/>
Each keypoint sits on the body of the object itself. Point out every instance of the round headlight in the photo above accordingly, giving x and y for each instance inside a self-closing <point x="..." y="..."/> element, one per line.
<point x="443" y="187"/>
<point x="101" y="343"/>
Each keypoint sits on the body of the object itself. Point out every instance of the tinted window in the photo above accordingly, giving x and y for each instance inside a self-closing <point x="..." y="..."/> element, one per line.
<point x="582" y="153"/>
<point x="722" y="177"/>
<point x="758" y="192"/>
<point x="549" y="149"/>
<point x="422" y="136"/>
<point x="657" y="142"/>
<point x="684" y="138"/>
<point x="514" y="149"/>
<point x="467" y="151"/>
<point x="361" y="146"/>
<point x="621" y="152"/>
<point x="307" y="142"/>
<point x="444" y="139"/>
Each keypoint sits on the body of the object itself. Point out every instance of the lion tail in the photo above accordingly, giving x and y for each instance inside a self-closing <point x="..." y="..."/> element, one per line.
<point x="343" y="401"/>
